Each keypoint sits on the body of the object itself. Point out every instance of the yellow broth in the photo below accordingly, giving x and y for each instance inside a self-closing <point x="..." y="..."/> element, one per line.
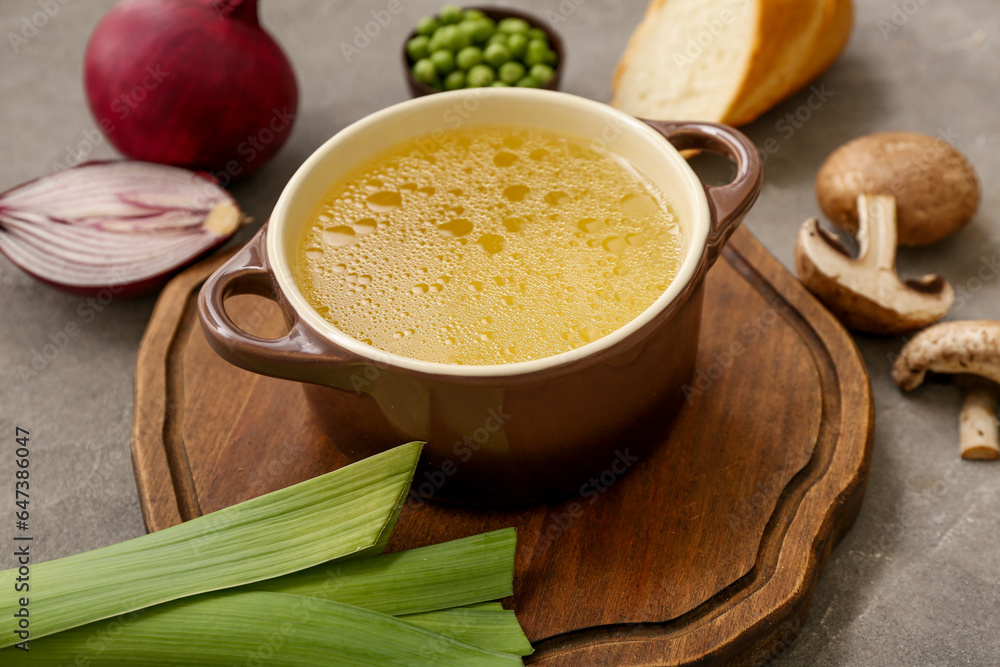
<point x="488" y="245"/>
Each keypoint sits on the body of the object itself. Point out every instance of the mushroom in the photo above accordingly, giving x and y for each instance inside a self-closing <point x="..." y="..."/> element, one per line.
<point x="972" y="350"/>
<point x="966" y="347"/>
<point x="865" y="293"/>
<point x="936" y="188"/>
<point x="979" y="429"/>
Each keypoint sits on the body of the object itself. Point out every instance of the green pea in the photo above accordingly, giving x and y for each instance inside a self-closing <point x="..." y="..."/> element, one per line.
<point x="528" y="82"/>
<point x="482" y="29"/>
<point x="496" y="54"/>
<point x="511" y="72"/>
<point x="416" y="48"/>
<point x="531" y="59"/>
<point x="538" y="33"/>
<point x="439" y="40"/>
<point x="551" y="58"/>
<point x="536" y="52"/>
<point x="459" y="39"/>
<point x="444" y="61"/>
<point x="424" y="70"/>
<point x="455" y="80"/>
<point x="537" y="45"/>
<point x="469" y="57"/>
<point x="497" y="38"/>
<point x="469" y="14"/>
<point x="426" y="26"/>
<point x="466" y="28"/>
<point x="450" y="14"/>
<point x="499" y="84"/>
<point x="479" y="76"/>
<point x="542" y="73"/>
<point x="518" y="45"/>
<point x="512" y="25"/>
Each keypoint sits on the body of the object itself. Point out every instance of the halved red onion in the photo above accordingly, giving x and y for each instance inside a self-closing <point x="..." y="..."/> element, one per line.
<point x="121" y="225"/>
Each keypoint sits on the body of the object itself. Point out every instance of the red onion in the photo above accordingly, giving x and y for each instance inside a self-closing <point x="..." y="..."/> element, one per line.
<point x="121" y="225"/>
<point x="192" y="83"/>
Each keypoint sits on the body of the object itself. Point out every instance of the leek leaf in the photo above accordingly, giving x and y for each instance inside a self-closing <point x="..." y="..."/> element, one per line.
<point x="489" y="629"/>
<point x="251" y="628"/>
<point x="450" y="574"/>
<point x="350" y="511"/>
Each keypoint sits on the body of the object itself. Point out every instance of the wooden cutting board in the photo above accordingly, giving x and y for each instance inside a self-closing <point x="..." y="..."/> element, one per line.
<point x="707" y="552"/>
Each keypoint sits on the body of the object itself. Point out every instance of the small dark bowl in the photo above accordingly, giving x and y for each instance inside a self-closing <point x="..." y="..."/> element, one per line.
<point x="419" y="88"/>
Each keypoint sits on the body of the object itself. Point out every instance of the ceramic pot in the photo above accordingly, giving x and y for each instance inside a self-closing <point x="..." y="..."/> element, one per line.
<point x="500" y="434"/>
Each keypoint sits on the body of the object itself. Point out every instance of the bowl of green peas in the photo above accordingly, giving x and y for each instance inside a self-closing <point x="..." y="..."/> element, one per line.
<point x="477" y="47"/>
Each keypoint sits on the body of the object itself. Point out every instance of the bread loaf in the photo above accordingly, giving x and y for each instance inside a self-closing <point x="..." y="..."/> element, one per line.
<point x="727" y="60"/>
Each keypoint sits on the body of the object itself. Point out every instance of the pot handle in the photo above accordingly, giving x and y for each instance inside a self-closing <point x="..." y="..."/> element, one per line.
<point x="302" y="354"/>
<point x="727" y="204"/>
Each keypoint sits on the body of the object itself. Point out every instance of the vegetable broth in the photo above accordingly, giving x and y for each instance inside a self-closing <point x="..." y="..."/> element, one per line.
<point x="488" y="245"/>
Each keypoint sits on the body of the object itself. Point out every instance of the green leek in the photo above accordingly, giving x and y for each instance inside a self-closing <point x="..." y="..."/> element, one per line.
<point x="350" y="511"/>
<point x="451" y="574"/>
<point x="490" y="629"/>
<point x="252" y="628"/>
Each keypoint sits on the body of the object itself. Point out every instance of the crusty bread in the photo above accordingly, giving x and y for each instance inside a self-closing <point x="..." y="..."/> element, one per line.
<point x="832" y="40"/>
<point x="765" y="51"/>
<point x="786" y="38"/>
<point x="686" y="58"/>
<point x="835" y="30"/>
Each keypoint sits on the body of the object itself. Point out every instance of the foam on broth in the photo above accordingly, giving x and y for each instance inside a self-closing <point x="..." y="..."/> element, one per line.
<point x="488" y="245"/>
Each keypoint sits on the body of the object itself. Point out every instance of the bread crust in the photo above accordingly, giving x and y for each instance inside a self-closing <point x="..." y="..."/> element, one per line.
<point x="832" y="41"/>
<point x="777" y="62"/>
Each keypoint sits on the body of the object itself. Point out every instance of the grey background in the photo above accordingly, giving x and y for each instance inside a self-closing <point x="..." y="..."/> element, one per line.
<point x="917" y="581"/>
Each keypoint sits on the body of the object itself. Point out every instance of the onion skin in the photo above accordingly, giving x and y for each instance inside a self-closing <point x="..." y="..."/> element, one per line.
<point x="191" y="83"/>
<point x="118" y="228"/>
<point x="123" y="290"/>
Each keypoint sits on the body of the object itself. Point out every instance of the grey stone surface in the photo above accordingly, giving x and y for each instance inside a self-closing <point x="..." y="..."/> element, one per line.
<point x="917" y="581"/>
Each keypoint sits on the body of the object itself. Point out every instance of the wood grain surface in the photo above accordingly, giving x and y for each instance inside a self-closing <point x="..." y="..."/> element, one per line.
<point x="706" y="552"/>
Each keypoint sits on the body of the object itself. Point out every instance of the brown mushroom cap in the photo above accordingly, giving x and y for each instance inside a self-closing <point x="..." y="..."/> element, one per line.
<point x="936" y="188"/>
<point x="964" y="347"/>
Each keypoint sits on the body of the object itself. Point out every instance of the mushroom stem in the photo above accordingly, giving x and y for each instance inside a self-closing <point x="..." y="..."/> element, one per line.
<point x="877" y="230"/>
<point x="979" y="428"/>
